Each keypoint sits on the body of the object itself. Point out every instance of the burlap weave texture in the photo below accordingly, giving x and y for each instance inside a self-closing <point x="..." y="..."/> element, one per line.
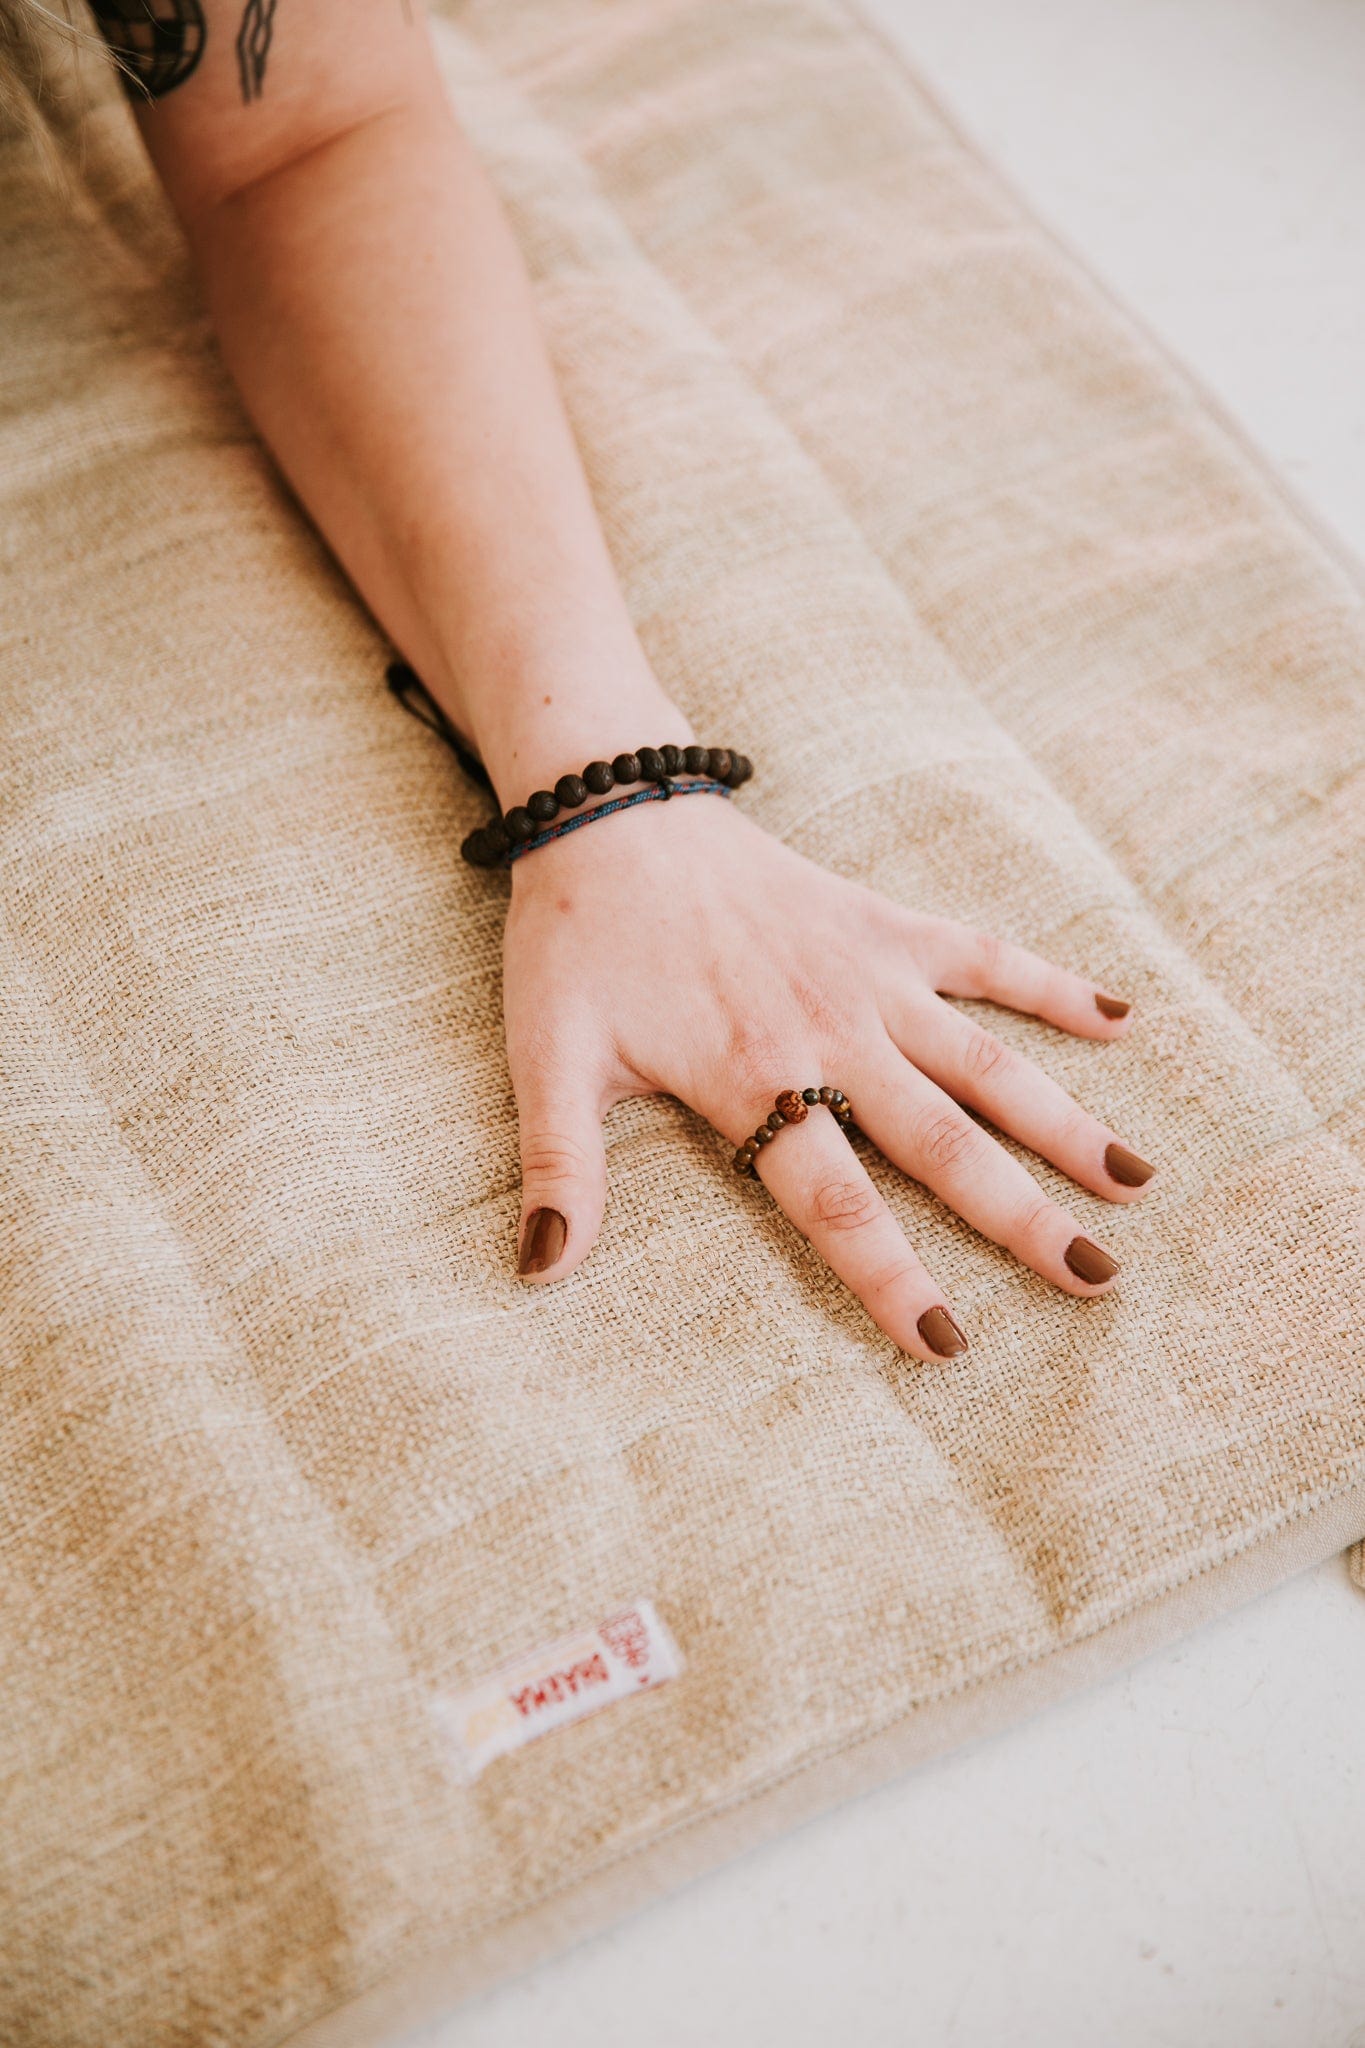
<point x="1015" y="632"/>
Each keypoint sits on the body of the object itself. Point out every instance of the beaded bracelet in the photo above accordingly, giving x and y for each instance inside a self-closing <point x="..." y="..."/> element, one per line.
<point x="521" y="829"/>
<point x="499" y="842"/>
<point x="618" y="803"/>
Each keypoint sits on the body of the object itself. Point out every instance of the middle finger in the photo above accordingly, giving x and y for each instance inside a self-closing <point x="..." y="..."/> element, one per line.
<point x="929" y="1136"/>
<point x="976" y="1067"/>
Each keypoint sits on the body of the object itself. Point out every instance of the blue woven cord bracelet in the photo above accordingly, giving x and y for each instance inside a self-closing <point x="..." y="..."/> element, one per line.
<point x="650" y="795"/>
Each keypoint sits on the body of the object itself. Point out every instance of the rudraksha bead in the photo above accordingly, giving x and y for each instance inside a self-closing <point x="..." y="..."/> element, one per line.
<point x="651" y="764"/>
<point x="626" y="768"/>
<point x="792" y="1106"/>
<point x="570" y="791"/>
<point x="519" y="824"/>
<point x="718" y="763"/>
<point x="543" y="806"/>
<point x="694" y="760"/>
<point x="672" y="759"/>
<point x="599" y="777"/>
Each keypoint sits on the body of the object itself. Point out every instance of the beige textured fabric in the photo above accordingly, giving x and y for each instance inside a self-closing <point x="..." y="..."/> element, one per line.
<point x="1015" y="632"/>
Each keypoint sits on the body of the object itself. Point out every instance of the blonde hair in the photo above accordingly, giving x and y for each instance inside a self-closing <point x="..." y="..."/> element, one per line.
<point x="40" y="43"/>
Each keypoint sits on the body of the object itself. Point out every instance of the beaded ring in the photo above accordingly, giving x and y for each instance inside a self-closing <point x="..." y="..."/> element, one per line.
<point x="792" y="1108"/>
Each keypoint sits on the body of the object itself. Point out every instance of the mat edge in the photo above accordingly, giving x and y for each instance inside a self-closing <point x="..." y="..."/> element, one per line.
<point x="435" y="1984"/>
<point x="439" y="1982"/>
<point x="1197" y="388"/>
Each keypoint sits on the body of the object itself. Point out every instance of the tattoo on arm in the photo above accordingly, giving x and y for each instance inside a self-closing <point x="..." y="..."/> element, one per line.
<point x="253" y="46"/>
<point x="157" y="42"/>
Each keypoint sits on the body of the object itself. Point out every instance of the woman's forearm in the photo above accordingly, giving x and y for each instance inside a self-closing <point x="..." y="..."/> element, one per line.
<point x="375" y="313"/>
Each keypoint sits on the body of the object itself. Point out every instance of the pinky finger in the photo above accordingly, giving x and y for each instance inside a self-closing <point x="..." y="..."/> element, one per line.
<point x="976" y="963"/>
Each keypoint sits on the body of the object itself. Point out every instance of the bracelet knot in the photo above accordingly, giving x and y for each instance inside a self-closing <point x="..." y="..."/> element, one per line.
<point x="715" y="771"/>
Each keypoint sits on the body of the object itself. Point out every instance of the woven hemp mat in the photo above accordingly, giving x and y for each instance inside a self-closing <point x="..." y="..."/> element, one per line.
<point x="289" y="1458"/>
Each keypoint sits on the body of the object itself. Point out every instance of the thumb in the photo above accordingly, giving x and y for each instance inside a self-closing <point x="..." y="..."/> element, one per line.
<point x="563" y="1166"/>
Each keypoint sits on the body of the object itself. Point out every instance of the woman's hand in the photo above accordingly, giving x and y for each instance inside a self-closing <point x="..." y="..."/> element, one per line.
<point x="679" y="949"/>
<point x="676" y="948"/>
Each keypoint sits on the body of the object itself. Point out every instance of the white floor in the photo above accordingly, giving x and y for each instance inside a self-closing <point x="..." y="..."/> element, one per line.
<point x="1177" y="1859"/>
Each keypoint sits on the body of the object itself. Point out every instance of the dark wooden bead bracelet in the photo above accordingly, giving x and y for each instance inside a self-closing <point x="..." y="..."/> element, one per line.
<point x="496" y="844"/>
<point x="792" y="1107"/>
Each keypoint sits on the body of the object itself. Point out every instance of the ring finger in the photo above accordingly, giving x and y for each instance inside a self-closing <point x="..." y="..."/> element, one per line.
<point x="818" y="1180"/>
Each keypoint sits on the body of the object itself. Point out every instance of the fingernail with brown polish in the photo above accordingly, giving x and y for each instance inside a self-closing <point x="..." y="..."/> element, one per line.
<point x="1126" y="1168"/>
<point x="1110" y="1006"/>
<point x="1089" y="1263"/>
<point x="542" y="1240"/>
<point x="941" y="1333"/>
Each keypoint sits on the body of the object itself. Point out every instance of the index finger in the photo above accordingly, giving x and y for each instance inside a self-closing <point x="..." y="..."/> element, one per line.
<point x="977" y="964"/>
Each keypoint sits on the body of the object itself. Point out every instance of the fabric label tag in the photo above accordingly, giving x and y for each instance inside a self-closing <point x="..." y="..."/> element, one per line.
<point x="549" y="1687"/>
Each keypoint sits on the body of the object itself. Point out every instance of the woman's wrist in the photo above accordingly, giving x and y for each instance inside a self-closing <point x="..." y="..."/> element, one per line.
<point x="534" y="757"/>
<point x="532" y="727"/>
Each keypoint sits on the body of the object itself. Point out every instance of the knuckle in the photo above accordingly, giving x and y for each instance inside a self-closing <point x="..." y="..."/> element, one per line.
<point x="549" y="1052"/>
<point x="753" y="1056"/>
<point x="934" y="940"/>
<point x="890" y="1279"/>
<point x="1035" y="1219"/>
<point x="819" y="1012"/>
<point x="550" y="1158"/>
<point x="988" y="1058"/>
<point x="946" y="1140"/>
<point x="842" y="1204"/>
<point x="987" y="950"/>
